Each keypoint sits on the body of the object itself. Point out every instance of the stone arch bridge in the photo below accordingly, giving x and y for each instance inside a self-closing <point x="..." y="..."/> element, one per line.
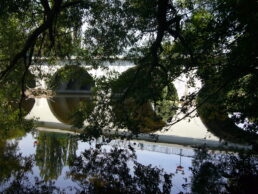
<point x="118" y="66"/>
<point x="187" y="132"/>
<point x="193" y="129"/>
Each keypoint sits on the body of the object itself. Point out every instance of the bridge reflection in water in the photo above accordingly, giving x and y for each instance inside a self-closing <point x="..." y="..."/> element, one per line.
<point x="63" y="105"/>
<point x="48" y="120"/>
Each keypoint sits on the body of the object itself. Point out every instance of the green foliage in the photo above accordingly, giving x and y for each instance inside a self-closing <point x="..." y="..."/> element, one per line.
<point x="113" y="25"/>
<point x="135" y="83"/>
<point x="11" y="161"/>
<point x="133" y="96"/>
<point x="214" y="106"/>
<point x="167" y="105"/>
<point x="244" y="92"/>
<point x="137" y="117"/>
<point x="11" y="122"/>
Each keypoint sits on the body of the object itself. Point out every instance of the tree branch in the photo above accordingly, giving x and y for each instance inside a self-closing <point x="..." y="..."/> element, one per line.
<point x="161" y="19"/>
<point x="46" y="6"/>
<point x="32" y="39"/>
<point x="72" y="3"/>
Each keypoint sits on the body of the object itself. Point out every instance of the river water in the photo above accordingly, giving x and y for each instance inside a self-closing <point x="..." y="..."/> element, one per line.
<point x="51" y="152"/>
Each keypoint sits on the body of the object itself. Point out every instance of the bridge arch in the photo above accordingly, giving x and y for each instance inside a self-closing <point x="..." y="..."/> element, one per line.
<point x="142" y="114"/>
<point x="72" y="85"/>
<point x="194" y="129"/>
<point x="214" y="115"/>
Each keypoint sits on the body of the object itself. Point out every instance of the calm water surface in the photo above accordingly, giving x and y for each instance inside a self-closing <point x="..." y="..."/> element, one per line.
<point x="51" y="153"/>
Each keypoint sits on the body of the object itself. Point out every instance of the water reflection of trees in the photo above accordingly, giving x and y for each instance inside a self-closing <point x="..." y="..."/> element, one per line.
<point x="117" y="171"/>
<point x="224" y="173"/>
<point x="11" y="162"/>
<point x="106" y="169"/>
<point x="14" y="172"/>
<point x="15" y="169"/>
<point x="53" y="152"/>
